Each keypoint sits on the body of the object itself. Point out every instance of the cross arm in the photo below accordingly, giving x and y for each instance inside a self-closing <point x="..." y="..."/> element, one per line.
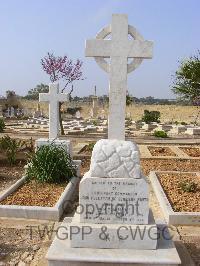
<point x="140" y="49"/>
<point x="98" y="48"/>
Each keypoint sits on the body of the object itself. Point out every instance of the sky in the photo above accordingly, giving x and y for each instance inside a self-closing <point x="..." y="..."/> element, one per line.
<point x="31" y="28"/>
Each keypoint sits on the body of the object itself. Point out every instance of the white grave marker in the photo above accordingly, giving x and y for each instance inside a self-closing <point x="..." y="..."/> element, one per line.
<point x="113" y="212"/>
<point x="53" y="97"/>
<point x="118" y="49"/>
<point x="78" y="115"/>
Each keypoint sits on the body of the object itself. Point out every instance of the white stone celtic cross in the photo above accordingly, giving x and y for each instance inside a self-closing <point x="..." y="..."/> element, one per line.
<point x="53" y="97"/>
<point x="118" y="49"/>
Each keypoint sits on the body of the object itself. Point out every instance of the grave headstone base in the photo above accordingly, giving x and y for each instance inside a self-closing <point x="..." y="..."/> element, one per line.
<point x="65" y="144"/>
<point x="112" y="236"/>
<point x="61" y="254"/>
<point x="193" y="131"/>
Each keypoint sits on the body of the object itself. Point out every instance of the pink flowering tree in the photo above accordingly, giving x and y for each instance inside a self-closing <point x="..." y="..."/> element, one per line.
<point x="61" y="68"/>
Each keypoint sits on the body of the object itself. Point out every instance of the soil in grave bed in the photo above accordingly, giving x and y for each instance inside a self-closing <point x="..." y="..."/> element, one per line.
<point x="161" y="151"/>
<point x="191" y="151"/>
<point x="33" y="193"/>
<point x="182" y="165"/>
<point x="87" y="149"/>
<point x="181" y="201"/>
<point x="9" y="175"/>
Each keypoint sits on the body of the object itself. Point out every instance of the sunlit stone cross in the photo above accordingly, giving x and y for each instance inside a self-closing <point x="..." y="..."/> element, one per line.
<point x="53" y="97"/>
<point x="118" y="49"/>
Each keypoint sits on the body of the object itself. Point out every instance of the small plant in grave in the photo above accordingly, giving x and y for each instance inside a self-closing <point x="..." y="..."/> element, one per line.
<point x="11" y="147"/>
<point x="160" y="134"/>
<point x="95" y="123"/>
<point x="2" y="125"/>
<point x="90" y="146"/>
<point x="188" y="186"/>
<point x="151" y="116"/>
<point x="51" y="164"/>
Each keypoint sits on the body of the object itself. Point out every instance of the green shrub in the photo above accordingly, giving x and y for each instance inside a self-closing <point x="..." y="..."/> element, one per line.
<point x="90" y="146"/>
<point x="51" y="164"/>
<point x="188" y="186"/>
<point x="2" y="125"/>
<point x="11" y="147"/>
<point x="151" y="116"/>
<point x="95" y="123"/>
<point x="160" y="134"/>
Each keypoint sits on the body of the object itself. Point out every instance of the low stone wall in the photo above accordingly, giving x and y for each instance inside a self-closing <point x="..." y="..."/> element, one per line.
<point x="37" y="212"/>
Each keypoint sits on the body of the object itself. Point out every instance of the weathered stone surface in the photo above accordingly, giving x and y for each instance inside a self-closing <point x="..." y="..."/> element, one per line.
<point x="60" y="253"/>
<point x="115" y="158"/>
<point x="112" y="236"/>
<point x="113" y="200"/>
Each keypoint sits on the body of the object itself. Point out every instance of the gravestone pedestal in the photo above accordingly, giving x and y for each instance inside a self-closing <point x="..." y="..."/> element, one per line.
<point x="61" y="254"/>
<point x="113" y="224"/>
<point x="113" y="198"/>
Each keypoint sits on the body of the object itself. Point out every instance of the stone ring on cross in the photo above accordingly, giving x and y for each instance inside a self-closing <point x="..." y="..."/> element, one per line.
<point x="119" y="48"/>
<point x="105" y="32"/>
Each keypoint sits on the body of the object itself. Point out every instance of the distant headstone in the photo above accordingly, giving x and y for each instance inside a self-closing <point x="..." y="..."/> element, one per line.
<point x="193" y="131"/>
<point x="38" y="112"/>
<point x="78" y="114"/>
<point x="12" y="111"/>
<point x="102" y="115"/>
<point x="94" y="112"/>
<point x="128" y="115"/>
